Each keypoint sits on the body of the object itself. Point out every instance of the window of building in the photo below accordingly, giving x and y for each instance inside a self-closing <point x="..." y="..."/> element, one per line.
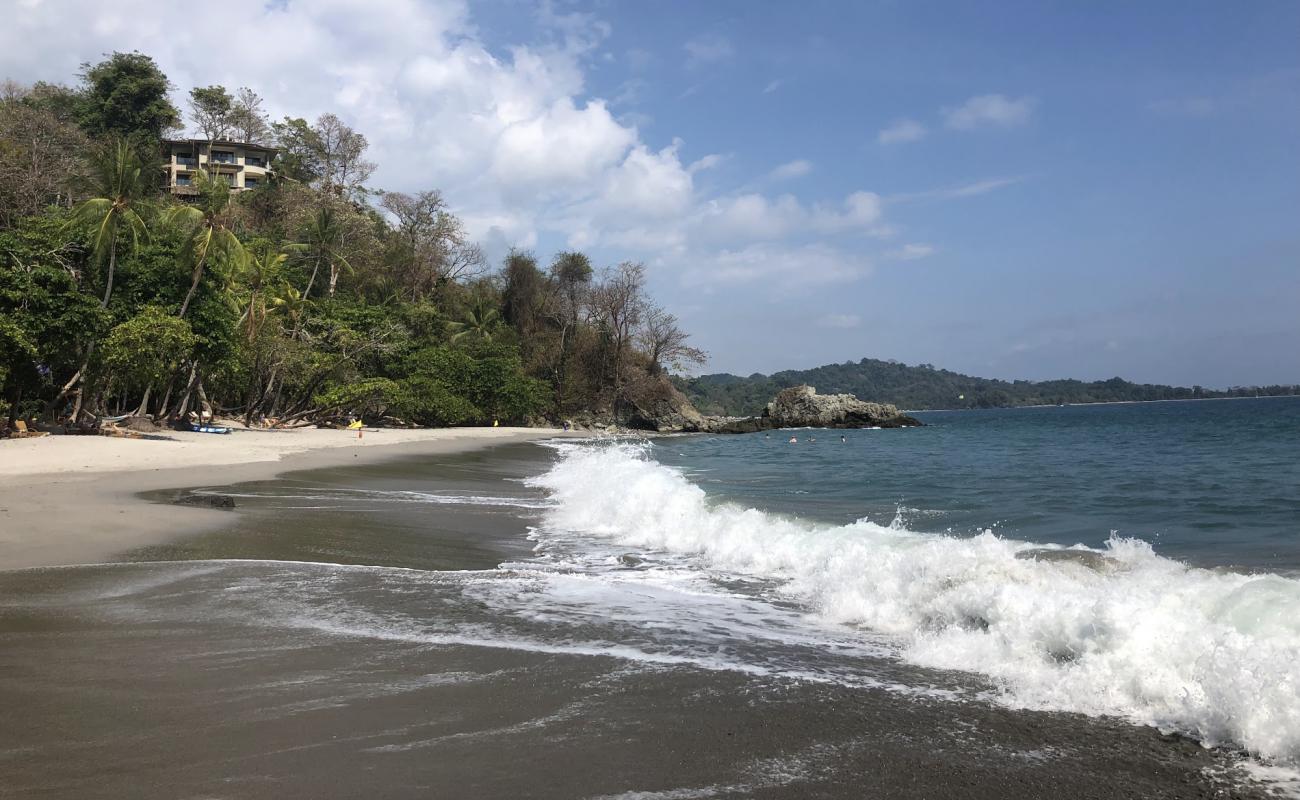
<point x="230" y="178"/>
<point x="187" y="159"/>
<point x="250" y="182"/>
<point x="223" y="157"/>
<point x="254" y="161"/>
<point x="182" y="179"/>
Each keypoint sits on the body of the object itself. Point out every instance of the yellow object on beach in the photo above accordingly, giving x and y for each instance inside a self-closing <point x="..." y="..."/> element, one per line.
<point x="354" y="425"/>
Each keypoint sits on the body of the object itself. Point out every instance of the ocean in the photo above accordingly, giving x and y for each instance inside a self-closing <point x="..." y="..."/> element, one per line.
<point x="1134" y="560"/>
<point x="1098" y="601"/>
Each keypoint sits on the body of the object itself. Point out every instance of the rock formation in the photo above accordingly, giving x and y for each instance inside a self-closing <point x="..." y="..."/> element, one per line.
<point x="802" y="407"/>
<point x="658" y="406"/>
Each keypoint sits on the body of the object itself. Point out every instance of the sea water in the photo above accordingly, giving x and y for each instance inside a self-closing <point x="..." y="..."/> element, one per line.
<point x="1135" y="560"/>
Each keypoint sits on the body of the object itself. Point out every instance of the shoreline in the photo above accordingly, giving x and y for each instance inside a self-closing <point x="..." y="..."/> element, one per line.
<point x="75" y="499"/>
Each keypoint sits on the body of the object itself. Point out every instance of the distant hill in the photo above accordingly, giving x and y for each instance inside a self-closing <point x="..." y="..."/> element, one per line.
<point x="925" y="387"/>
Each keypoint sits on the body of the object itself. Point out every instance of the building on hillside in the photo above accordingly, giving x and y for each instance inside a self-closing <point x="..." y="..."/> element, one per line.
<point x="242" y="165"/>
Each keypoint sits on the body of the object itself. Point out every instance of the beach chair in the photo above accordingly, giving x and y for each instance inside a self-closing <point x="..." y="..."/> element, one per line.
<point x="21" y="431"/>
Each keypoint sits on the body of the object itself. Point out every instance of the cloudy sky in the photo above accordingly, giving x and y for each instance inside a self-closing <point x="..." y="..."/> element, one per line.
<point x="1020" y="190"/>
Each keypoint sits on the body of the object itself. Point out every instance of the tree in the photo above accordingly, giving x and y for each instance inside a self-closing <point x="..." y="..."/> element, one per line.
<point x="211" y="108"/>
<point x="525" y="292"/>
<point x="126" y="95"/>
<point x="120" y="188"/>
<point x="617" y="305"/>
<point x="571" y="276"/>
<point x="480" y="323"/>
<point x="340" y="151"/>
<point x="40" y="156"/>
<point x="429" y="248"/>
<point x="208" y="229"/>
<point x="664" y="342"/>
<point x="248" y="122"/>
<point x="299" y="148"/>
<point x="259" y="271"/>
<point x="44" y="319"/>
<point x="145" y="350"/>
<point x="323" y="243"/>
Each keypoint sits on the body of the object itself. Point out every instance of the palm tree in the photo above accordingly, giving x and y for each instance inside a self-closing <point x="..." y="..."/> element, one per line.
<point x="293" y="304"/>
<point x="257" y="272"/>
<point x="481" y="322"/>
<point x="120" y="188"/>
<point x="209" y="229"/>
<point x="322" y="244"/>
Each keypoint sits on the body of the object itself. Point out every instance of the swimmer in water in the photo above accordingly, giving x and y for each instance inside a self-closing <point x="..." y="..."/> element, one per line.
<point x="842" y="439"/>
<point x="794" y="440"/>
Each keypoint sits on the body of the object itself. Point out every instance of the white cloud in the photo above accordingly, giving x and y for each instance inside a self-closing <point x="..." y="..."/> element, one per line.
<point x="989" y="110"/>
<point x="511" y="136"/>
<point x="792" y="169"/>
<point x="772" y="86"/>
<point x="964" y="190"/>
<point x="754" y="216"/>
<point x="839" y="321"/>
<point x="903" y="130"/>
<point x="911" y="252"/>
<point x="708" y="49"/>
<point x="776" y="267"/>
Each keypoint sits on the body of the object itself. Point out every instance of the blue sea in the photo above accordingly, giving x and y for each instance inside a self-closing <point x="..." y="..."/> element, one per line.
<point x="1211" y="483"/>
<point x="1139" y="561"/>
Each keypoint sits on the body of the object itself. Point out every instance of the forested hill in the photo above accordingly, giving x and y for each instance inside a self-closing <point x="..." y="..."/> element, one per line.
<point x="923" y="386"/>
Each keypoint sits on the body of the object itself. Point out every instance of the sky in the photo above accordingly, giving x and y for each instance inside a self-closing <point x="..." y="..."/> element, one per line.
<point x="1017" y="190"/>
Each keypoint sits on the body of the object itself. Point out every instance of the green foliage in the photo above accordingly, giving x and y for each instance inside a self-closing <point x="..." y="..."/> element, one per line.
<point x="126" y="95"/>
<point x="299" y="147"/>
<point x="145" y="350"/>
<point x="39" y="297"/>
<point x="211" y="106"/>
<point x="118" y="187"/>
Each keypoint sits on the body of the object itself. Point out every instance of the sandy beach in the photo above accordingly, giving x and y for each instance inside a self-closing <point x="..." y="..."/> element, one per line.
<point x="71" y="499"/>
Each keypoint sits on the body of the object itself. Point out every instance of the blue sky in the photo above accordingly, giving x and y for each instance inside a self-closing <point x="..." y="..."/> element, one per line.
<point x="1029" y="190"/>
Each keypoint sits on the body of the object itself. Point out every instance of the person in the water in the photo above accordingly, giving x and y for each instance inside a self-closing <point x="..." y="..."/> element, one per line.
<point x="794" y="440"/>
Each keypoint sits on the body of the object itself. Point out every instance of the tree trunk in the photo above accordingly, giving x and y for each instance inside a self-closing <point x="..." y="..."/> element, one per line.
<point x="112" y="266"/>
<point x="144" y="403"/>
<point x="194" y="287"/>
<point x="312" y="280"/>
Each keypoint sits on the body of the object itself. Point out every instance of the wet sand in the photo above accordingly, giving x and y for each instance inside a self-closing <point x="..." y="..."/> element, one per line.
<point x="72" y="499"/>
<point x="233" y="663"/>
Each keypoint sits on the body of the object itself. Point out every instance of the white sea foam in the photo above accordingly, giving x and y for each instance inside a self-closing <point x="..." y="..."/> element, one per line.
<point x="1120" y="631"/>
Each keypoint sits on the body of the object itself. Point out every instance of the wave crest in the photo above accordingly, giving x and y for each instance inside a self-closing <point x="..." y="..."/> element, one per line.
<point x="1119" y="631"/>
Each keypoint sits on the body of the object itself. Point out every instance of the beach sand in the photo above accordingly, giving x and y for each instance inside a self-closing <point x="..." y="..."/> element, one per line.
<point x="70" y="499"/>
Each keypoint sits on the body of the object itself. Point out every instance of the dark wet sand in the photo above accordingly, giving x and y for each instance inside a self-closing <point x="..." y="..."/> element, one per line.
<point x="171" y="680"/>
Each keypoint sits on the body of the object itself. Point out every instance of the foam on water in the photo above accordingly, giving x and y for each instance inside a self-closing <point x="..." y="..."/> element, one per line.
<point x="1212" y="654"/>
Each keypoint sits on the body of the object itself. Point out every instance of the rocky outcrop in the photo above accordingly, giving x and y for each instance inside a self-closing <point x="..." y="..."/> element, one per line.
<point x="802" y="407"/>
<point x="658" y="406"/>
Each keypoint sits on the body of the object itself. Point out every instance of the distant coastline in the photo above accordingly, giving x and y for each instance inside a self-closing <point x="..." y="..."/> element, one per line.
<point x="1109" y="403"/>
<point x="924" y="387"/>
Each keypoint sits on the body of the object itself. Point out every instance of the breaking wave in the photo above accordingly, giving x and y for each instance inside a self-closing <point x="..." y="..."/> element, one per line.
<point x="1113" y="631"/>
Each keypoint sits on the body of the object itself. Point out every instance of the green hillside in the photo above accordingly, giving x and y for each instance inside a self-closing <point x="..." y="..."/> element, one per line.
<point x="925" y="387"/>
